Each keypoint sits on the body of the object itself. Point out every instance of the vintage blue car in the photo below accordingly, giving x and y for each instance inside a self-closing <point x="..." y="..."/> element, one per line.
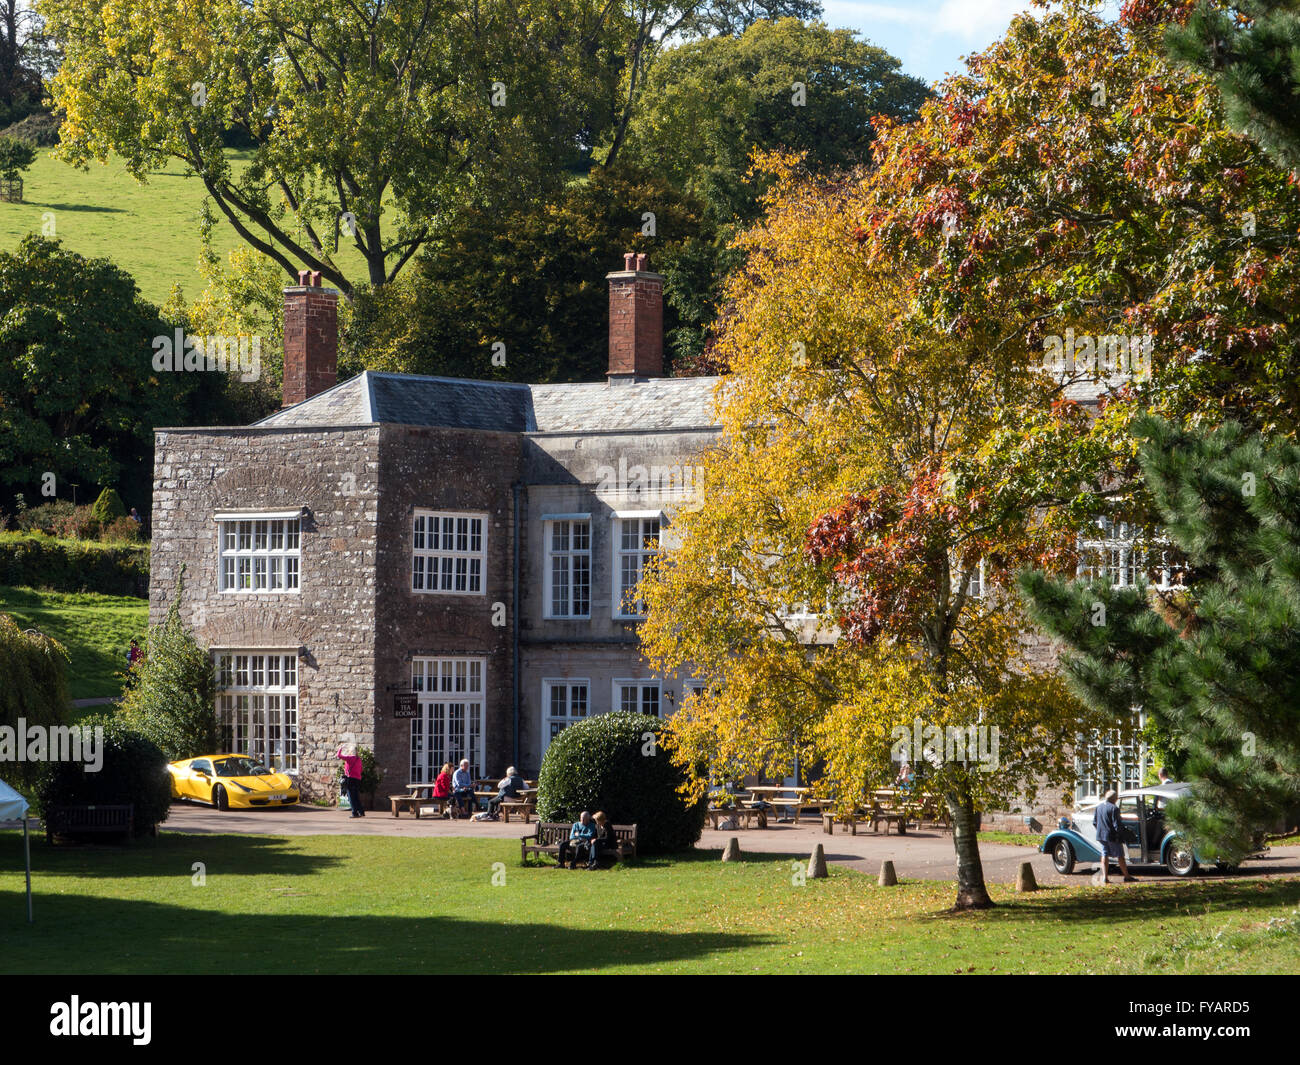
<point x="1146" y="839"/>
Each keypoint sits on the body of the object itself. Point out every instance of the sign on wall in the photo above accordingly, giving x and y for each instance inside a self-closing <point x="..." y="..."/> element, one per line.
<point x="406" y="704"/>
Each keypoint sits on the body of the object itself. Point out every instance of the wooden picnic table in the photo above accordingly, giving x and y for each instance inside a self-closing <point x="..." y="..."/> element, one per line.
<point x="800" y="799"/>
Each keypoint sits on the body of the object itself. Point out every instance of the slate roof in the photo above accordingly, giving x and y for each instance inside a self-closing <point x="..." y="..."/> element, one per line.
<point x="454" y="403"/>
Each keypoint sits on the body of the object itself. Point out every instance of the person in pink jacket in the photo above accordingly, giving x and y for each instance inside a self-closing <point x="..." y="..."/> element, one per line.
<point x="352" y="777"/>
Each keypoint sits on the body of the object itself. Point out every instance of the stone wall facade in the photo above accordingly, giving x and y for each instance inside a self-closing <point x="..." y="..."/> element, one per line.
<point x="331" y="476"/>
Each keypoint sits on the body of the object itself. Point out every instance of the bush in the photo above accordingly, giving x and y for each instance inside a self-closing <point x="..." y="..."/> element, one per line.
<point x="108" y="506"/>
<point x="38" y="130"/>
<point x="133" y="771"/>
<point x="79" y="524"/>
<point x="173" y="700"/>
<point x="121" y="531"/>
<point x="35" y="688"/>
<point x="34" y="561"/>
<point x="598" y="764"/>
<point x="41" y="519"/>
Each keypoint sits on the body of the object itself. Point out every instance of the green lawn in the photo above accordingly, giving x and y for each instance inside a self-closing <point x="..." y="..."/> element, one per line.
<point x="272" y="904"/>
<point x="1015" y="839"/>
<point x="149" y="230"/>
<point x="96" y="630"/>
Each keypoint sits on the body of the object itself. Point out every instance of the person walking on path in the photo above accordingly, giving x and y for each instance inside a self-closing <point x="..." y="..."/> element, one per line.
<point x="352" y="777"/>
<point x="1106" y="820"/>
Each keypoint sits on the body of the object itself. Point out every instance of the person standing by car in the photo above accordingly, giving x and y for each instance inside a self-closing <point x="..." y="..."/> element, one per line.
<point x="1106" y="821"/>
<point x="352" y="777"/>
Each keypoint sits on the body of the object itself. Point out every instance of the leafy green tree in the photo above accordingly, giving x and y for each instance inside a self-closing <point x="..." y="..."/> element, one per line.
<point x="709" y="104"/>
<point x="108" y="506"/>
<point x="1218" y="667"/>
<point x="368" y="121"/>
<point x="25" y="58"/>
<point x="1252" y="50"/>
<point x="79" y="397"/>
<point x="15" y="157"/>
<point x="531" y="278"/>
<point x="35" y="688"/>
<point x="173" y="702"/>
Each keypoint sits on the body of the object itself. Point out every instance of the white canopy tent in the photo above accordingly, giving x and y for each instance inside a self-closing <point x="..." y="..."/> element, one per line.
<point x="13" y="807"/>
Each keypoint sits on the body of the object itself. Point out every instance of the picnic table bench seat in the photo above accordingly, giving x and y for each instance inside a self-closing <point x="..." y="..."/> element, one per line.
<point x="548" y="835"/>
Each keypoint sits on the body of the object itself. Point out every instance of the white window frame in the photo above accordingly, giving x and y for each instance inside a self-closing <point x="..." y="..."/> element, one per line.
<point x="1109" y="550"/>
<point x="549" y="684"/>
<point x="447" y="682"/>
<point x="247" y="550"/>
<point x="454" y="555"/>
<point x="639" y="516"/>
<point x="642" y="683"/>
<point x="549" y="522"/>
<point x="253" y="681"/>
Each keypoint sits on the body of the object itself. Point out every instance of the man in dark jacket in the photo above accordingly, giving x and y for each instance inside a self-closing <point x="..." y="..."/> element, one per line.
<point x="509" y="787"/>
<point x="1109" y="837"/>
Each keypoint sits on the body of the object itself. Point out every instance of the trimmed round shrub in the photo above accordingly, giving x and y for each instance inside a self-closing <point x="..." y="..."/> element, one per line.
<point x="108" y="506"/>
<point x="133" y="771"/>
<point x="607" y="763"/>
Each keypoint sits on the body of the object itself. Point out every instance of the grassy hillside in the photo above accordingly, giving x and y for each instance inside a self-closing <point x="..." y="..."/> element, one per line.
<point x="149" y="230"/>
<point x="96" y="630"/>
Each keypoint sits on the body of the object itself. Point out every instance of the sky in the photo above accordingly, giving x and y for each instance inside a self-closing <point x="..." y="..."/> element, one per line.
<point x="929" y="36"/>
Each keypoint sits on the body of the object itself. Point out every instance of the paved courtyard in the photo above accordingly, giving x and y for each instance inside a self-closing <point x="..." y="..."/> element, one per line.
<point x="919" y="855"/>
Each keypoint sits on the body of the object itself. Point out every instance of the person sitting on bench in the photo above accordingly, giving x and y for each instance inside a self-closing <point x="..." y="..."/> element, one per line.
<point x="442" y="788"/>
<point x="581" y="835"/>
<point x="509" y="788"/>
<point x="462" y="785"/>
<point x="605" y="840"/>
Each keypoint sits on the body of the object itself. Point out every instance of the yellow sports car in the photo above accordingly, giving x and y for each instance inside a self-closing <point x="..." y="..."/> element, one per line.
<point x="230" y="780"/>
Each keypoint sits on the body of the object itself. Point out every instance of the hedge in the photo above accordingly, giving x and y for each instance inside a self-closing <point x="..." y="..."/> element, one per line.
<point x="610" y="762"/>
<point x="32" y="561"/>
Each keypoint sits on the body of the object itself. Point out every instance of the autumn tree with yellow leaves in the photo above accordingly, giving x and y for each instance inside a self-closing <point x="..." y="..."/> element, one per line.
<point x="869" y="471"/>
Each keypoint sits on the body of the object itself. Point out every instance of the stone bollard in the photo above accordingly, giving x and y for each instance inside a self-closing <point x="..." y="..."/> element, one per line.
<point x="817" y="864"/>
<point x="1025" y="878"/>
<point x="731" y="852"/>
<point x="888" y="878"/>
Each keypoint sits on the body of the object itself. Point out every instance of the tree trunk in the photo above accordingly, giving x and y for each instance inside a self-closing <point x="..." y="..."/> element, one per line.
<point x="971" y="893"/>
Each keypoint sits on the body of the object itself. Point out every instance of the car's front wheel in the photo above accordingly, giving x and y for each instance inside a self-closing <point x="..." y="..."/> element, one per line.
<point x="219" y="799"/>
<point x="1180" y="860"/>
<point x="1063" y="857"/>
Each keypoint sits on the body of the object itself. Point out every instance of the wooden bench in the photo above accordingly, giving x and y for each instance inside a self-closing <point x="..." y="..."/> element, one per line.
<point x="890" y="815"/>
<point x="409" y="800"/>
<point x="548" y="835"/>
<point x="746" y="813"/>
<point x="524" y="808"/>
<point x="829" y="818"/>
<point x="67" y="820"/>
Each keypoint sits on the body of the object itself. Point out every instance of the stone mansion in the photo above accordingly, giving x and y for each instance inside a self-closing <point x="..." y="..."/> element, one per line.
<point x="439" y="567"/>
<point x="443" y="568"/>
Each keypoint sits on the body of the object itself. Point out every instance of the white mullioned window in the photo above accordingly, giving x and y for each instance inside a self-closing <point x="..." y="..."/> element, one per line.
<point x="1110" y="550"/>
<point x="257" y="706"/>
<point x="636" y="541"/>
<point x="451" y="722"/>
<point x="564" y="702"/>
<point x="636" y="696"/>
<point x="448" y="552"/>
<point x="568" y="565"/>
<point x="260" y="552"/>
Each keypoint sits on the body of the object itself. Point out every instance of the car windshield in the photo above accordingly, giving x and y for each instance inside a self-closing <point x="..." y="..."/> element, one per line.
<point x="240" y="767"/>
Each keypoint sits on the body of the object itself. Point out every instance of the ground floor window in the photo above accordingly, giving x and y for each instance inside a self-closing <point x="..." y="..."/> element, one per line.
<point x="637" y="696"/>
<point x="257" y="706"/>
<point x="565" y="702"/>
<point x="450" y="692"/>
<point x="1114" y="758"/>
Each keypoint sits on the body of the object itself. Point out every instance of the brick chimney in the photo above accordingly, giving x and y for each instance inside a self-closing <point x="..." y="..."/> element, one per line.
<point x="311" y="338"/>
<point x="636" y="321"/>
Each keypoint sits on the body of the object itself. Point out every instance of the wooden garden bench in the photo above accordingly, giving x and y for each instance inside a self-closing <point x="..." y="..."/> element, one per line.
<point x="67" y="820"/>
<point x="548" y="835"/>
<point x="524" y="808"/>
<point x="745" y="813"/>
